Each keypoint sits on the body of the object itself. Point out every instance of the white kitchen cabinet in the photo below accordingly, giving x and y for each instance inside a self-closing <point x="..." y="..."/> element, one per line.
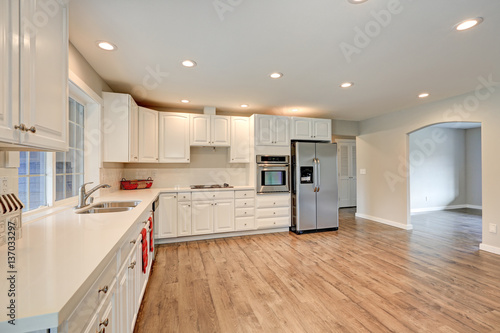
<point x="166" y="226"/>
<point x="184" y="218"/>
<point x="123" y="295"/>
<point x="34" y="80"/>
<point x="104" y="319"/>
<point x="148" y="135"/>
<point x="272" y="210"/>
<point x="240" y="140"/>
<point x="120" y="128"/>
<point x="244" y="210"/>
<point x="210" y="130"/>
<point x="174" y="137"/>
<point x="202" y="217"/>
<point x="272" y="130"/>
<point x="223" y="215"/>
<point x="346" y="152"/>
<point x="311" y="129"/>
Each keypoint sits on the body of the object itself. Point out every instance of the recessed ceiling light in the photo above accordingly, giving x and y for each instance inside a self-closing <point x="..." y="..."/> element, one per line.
<point x="357" y="1"/>
<point x="189" y="63"/>
<point x="423" y="95"/>
<point x="347" y="84"/>
<point x="295" y="110"/>
<point x="244" y="105"/>
<point x="467" y="24"/>
<point x="276" y="75"/>
<point x="184" y="101"/>
<point x="107" y="46"/>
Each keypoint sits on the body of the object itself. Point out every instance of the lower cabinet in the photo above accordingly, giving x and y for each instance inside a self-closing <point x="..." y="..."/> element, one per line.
<point x="184" y="218"/>
<point x="167" y="226"/>
<point x="223" y="215"/>
<point x="202" y="217"/>
<point x="272" y="211"/>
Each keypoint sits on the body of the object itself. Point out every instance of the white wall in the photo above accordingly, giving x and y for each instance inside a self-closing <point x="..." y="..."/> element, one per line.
<point x="437" y="169"/>
<point x="382" y="149"/>
<point x="473" y="166"/>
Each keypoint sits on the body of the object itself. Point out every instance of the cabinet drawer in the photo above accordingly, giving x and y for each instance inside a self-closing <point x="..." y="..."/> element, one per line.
<point x="244" y="223"/>
<point x="272" y="212"/>
<point x="212" y="195"/>
<point x="268" y="223"/>
<point x="244" y="203"/>
<point x="80" y="317"/>
<point x="244" y="194"/>
<point x="242" y="212"/>
<point x="267" y="201"/>
<point x="184" y="196"/>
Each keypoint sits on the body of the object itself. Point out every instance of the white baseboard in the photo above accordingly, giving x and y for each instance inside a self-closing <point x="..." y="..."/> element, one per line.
<point x="489" y="248"/>
<point x="434" y="209"/>
<point x="384" y="221"/>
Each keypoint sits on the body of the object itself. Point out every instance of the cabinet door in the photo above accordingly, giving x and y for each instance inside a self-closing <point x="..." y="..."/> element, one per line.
<point x="174" y="137"/>
<point x="220" y="130"/>
<point x="122" y="299"/>
<point x="264" y="130"/>
<point x="240" y="140"/>
<point x="302" y="129"/>
<point x="322" y="129"/>
<point x="133" y="130"/>
<point x="202" y="217"/>
<point x="281" y="131"/>
<point x="167" y="224"/>
<point x="223" y="215"/>
<point x="107" y="314"/>
<point x="44" y="73"/>
<point x="200" y="130"/>
<point x="148" y="135"/>
<point x="9" y="71"/>
<point x="134" y="268"/>
<point x="184" y="218"/>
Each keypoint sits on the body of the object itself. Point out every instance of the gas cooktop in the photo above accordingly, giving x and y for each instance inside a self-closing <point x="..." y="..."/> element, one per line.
<point x="201" y="187"/>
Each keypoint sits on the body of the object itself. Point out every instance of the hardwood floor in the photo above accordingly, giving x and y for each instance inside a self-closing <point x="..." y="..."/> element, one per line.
<point x="365" y="277"/>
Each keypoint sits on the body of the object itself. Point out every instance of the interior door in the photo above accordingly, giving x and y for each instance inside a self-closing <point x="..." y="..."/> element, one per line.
<point x="347" y="174"/>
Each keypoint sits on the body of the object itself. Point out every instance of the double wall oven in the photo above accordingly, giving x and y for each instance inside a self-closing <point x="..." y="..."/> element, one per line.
<point x="273" y="173"/>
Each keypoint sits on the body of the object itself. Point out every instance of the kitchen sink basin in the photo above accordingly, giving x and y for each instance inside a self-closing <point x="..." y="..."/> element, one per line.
<point x="109" y="207"/>
<point x="116" y="204"/>
<point x="93" y="210"/>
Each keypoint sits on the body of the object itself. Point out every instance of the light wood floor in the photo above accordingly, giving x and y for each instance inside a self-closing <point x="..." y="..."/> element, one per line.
<point x="366" y="277"/>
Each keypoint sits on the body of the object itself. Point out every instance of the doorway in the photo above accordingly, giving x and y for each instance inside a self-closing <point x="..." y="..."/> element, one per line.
<point x="445" y="179"/>
<point x="346" y="156"/>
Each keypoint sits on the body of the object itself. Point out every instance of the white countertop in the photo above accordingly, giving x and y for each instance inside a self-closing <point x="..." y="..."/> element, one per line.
<point x="58" y="255"/>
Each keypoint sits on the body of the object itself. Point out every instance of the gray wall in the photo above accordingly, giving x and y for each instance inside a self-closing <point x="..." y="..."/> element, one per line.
<point x="473" y="164"/>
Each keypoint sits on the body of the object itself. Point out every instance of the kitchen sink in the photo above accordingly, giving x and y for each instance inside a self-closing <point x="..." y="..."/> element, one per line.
<point x="116" y="204"/>
<point x="109" y="207"/>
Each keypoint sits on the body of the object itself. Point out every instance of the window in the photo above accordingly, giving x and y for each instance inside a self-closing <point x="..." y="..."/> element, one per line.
<point x="41" y="172"/>
<point x="70" y="164"/>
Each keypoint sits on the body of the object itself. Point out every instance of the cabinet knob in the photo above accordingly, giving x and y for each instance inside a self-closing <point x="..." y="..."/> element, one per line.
<point x="20" y="127"/>
<point x="175" y="196"/>
<point x="104" y="323"/>
<point x="274" y="203"/>
<point x="32" y="129"/>
<point x="245" y="195"/>
<point x="189" y="205"/>
<point x="214" y="195"/>
<point x="135" y="157"/>
<point x="245" y="203"/>
<point x="188" y="159"/>
<point x="216" y="203"/>
<point x="245" y="212"/>
<point x="274" y="222"/>
<point x="274" y="213"/>
<point x="132" y="241"/>
<point x="245" y="224"/>
<point x="104" y="290"/>
<point x="132" y="264"/>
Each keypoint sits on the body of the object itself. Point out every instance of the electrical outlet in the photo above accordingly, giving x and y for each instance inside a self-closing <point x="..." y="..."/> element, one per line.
<point x="493" y="228"/>
<point x="153" y="174"/>
<point x="4" y="185"/>
<point x="362" y="171"/>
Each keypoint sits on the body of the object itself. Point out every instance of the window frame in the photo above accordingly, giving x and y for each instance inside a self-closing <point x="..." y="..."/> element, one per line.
<point x="83" y="94"/>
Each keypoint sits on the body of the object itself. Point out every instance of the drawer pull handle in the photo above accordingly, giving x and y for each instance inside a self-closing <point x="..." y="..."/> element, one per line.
<point x="132" y="265"/>
<point x="104" y="290"/>
<point x="32" y="129"/>
<point x="245" y="203"/>
<point x="132" y="241"/>
<point x="104" y="323"/>
<point x="145" y="222"/>
<point x="245" y="194"/>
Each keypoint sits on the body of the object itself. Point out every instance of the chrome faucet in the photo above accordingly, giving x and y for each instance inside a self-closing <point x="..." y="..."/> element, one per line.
<point x="83" y="195"/>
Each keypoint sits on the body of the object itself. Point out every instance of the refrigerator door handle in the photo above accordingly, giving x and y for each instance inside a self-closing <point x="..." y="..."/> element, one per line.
<point x="315" y="173"/>
<point x="318" y="171"/>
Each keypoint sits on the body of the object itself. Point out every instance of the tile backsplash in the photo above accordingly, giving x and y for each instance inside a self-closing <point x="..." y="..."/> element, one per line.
<point x="111" y="174"/>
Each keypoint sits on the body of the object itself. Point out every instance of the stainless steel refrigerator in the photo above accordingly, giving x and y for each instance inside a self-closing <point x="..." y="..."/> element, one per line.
<point x="314" y="187"/>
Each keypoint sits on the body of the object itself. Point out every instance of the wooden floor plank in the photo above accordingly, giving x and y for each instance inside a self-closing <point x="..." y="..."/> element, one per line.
<point x="365" y="277"/>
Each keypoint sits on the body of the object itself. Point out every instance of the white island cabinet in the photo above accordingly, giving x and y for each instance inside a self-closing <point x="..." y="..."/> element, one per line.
<point x="34" y="74"/>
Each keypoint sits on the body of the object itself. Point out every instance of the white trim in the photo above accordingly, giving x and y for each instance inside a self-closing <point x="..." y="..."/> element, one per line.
<point x="345" y="141"/>
<point x="439" y="208"/>
<point x="384" y="221"/>
<point x="84" y="87"/>
<point x="222" y="235"/>
<point x="489" y="248"/>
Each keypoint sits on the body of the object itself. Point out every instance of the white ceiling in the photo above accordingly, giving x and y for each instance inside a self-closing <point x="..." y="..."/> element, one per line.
<point x="418" y="50"/>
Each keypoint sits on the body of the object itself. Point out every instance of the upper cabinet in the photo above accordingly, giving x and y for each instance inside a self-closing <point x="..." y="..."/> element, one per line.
<point x="34" y="74"/>
<point x="240" y="140"/>
<point x="120" y="128"/>
<point x="272" y="130"/>
<point x="311" y="129"/>
<point x="210" y="130"/>
<point x="174" y="137"/>
<point x="148" y="135"/>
